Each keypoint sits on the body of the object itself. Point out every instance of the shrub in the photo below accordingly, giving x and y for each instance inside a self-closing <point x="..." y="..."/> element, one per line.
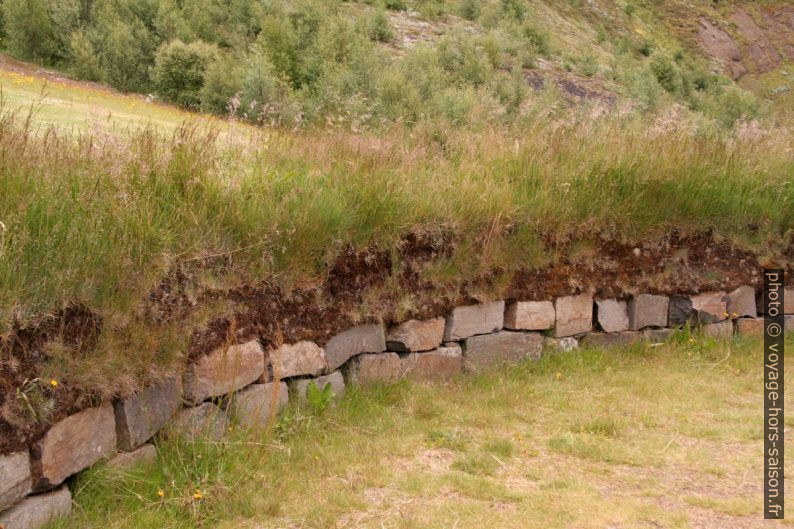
<point x="513" y="9"/>
<point x="588" y="66"/>
<point x="666" y="72"/>
<point x="380" y="28"/>
<point x="537" y="38"/>
<point x="178" y="72"/>
<point x="470" y="9"/>
<point x="125" y="53"/>
<point x="222" y="82"/>
<point x="29" y="29"/>
<point x="85" y="62"/>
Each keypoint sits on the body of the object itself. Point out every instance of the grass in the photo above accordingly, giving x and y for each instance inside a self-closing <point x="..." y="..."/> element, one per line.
<point x="579" y="439"/>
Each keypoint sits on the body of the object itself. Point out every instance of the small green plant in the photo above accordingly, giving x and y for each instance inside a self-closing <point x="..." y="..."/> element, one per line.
<point x="319" y="399"/>
<point x="380" y="28"/>
<point x="470" y="9"/>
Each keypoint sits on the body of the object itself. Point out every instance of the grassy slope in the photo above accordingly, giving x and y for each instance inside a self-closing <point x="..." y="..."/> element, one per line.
<point x="584" y="439"/>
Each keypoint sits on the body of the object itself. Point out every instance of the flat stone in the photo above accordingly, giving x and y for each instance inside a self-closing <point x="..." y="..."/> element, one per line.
<point x="741" y="303"/>
<point x="35" y="511"/>
<point x="141" y="416"/>
<point x="415" y="335"/>
<point x="384" y="368"/>
<point x="205" y="420"/>
<point x="442" y="363"/>
<point x="143" y="455"/>
<point x="657" y="335"/>
<point x="612" y="315"/>
<point x="568" y="343"/>
<point x="722" y="330"/>
<point x="610" y="339"/>
<point x="257" y="405"/>
<point x="302" y="358"/>
<point x="679" y="311"/>
<point x="647" y="310"/>
<point x="336" y="380"/>
<point x="750" y="326"/>
<point x="474" y="319"/>
<point x="224" y="371"/>
<point x="15" y="478"/>
<point x="710" y="306"/>
<point x="368" y="338"/>
<point x="501" y="347"/>
<point x="788" y="300"/>
<point x="73" y="444"/>
<point x="530" y="316"/>
<point x="574" y="315"/>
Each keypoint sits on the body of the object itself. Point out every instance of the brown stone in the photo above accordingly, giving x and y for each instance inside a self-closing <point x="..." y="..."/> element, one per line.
<point x="35" y="511"/>
<point x="376" y="368"/>
<point x="302" y="358"/>
<point x="205" y="420"/>
<point x="442" y="363"/>
<point x="657" y="335"/>
<point x="750" y="326"/>
<point x="501" y="347"/>
<point x="474" y="319"/>
<point x="568" y="343"/>
<point x="741" y="302"/>
<point x="15" y="478"/>
<point x="257" y="405"/>
<point x="647" y="310"/>
<point x="368" y="338"/>
<point x="530" y="316"/>
<point x="143" y="455"/>
<point x="415" y="335"/>
<point x="711" y="306"/>
<point x="788" y="300"/>
<point x="73" y="444"/>
<point x="721" y="330"/>
<point x="141" y="416"/>
<point x="610" y="339"/>
<point x="335" y="379"/>
<point x="224" y="371"/>
<point x="788" y="323"/>
<point x="612" y="315"/>
<point x="574" y="315"/>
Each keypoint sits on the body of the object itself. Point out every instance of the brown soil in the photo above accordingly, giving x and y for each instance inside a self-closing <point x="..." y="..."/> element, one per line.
<point x="675" y="263"/>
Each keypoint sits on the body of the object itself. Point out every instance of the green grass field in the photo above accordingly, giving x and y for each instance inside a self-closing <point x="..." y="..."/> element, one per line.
<point x="666" y="436"/>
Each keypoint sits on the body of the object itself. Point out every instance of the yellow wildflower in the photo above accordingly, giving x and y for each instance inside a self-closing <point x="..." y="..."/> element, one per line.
<point x="54" y="383"/>
<point x="160" y="493"/>
<point x="197" y="495"/>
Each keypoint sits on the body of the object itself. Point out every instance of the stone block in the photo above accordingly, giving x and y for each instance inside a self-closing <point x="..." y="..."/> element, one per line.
<point x="788" y="323"/>
<point x="73" y="444"/>
<point x="530" y="316"/>
<point x="257" y="406"/>
<point x="368" y="338"/>
<point x="722" y="330"/>
<point x="205" y="420"/>
<point x="750" y="326"/>
<point x="382" y="368"/>
<point x="741" y="303"/>
<point x="610" y="339"/>
<point x="788" y="300"/>
<point x="415" y="335"/>
<point x="612" y="315"/>
<point x="302" y="358"/>
<point x="574" y="315"/>
<point x="502" y="347"/>
<point x="657" y="335"/>
<point x="336" y="380"/>
<point x="35" y="511"/>
<point x="143" y="455"/>
<point x="710" y="306"/>
<point x="647" y="310"/>
<point x="442" y="363"/>
<point x="474" y="319"/>
<point x="680" y="311"/>
<point x="568" y="343"/>
<point x="224" y="371"/>
<point x="15" y="478"/>
<point x="141" y="416"/>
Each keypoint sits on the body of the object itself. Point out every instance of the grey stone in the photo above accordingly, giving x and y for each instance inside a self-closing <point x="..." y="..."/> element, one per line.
<point x="680" y="311"/>
<point x="474" y="319"/>
<point x="415" y="335"/>
<point x="647" y="310"/>
<point x="15" y="478"/>
<point x="741" y="302"/>
<point x="302" y="358"/>
<point x="224" y="371"/>
<point x="574" y="315"/>
<point x="335" y="379"/>
<point x="568" y="343"/>
<point x="368" y="338"/>
<point x="442" y="363"/>
<point x="376" y="368"/>
<point x="205" y="420"/>
<point x="502" y="347"/>
<point x="710" y="306"/>
<point x="750" y="326"/>
<point x="788" y="323"/>
<point x="612" y="315"/>
<point x="530" y="316"/>
<point x="610" y="339"/>
<point x="657" y="335"/>
<point x="141" y="416"/>
<point x="73" y="444"/>
<point x="721" y="330"/>
<point x="35" y="511"/>
<point x="143" y="455"/>
<point x="257" y="405"/>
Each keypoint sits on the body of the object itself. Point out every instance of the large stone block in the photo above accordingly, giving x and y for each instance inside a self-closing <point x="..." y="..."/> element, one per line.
<point x="610" y="339"/>
<point x="612" y="315"/>
<point x="741" y="303"/>
<point x="722" y="330"/>
<point x="368" y="338"/>
<point x="679" y="311"/>
<point x="647" y="310"/>
<point x="574" y="315"/>
<point x="376" y="368"/>
<point x="657" y="335"/>
<point x="224" y="371"/>
<point x="141" y="416"/>
<point x="205" y="420"/>
<point x="442" y="363"/>
<point x="73" y="444"/>
<point x="530" y="316"/>
<point x="501" y="347"/>
<point x="335" y="379"/>
<point x="710" y="306"/>
<point x="256" y="406"/>
<point x="15" y="478"/>
<point x="750" y="326"/>
<point x="474" y="319"/>
<point x="35" y="511"/>
<point x="143" y="455"/>
<point x="415" y="335"/>
<point x="302" y="358"/>
<point x="567" y="343"/>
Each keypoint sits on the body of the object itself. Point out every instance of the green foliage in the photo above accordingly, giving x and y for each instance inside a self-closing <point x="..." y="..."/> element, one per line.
<point x="222" y="83"/>
<point x="380" y="28"/>
<point x="85" y="61"/>
<point x="470" y="9"/>
<point x="514" y="9"/>
<point x="178" y="72"/>
<point x="319" y="399"/>
<point x="29" y="29"/>
<point x="666" y="73"/>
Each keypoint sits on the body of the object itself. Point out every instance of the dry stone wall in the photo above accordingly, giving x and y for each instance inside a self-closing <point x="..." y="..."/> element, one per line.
<point x="242" y="384"/>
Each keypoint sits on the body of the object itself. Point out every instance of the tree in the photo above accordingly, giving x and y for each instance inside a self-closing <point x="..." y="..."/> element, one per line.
<point x="178" y="72"/>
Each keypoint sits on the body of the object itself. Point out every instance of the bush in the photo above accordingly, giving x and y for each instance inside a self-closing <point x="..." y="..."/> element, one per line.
<point x="514" y="9"/>
<point x="85" y="62"/>
<point x="666" y="72"/>
<point x="125" y="53"/>
<point x="470" y="9"/>
<point x="223" y="80"/>
<point x="537" y="38"/>
<point x="178" y="72"/>
<point x="379" y="27"/>
<point x="29" y="29"/>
